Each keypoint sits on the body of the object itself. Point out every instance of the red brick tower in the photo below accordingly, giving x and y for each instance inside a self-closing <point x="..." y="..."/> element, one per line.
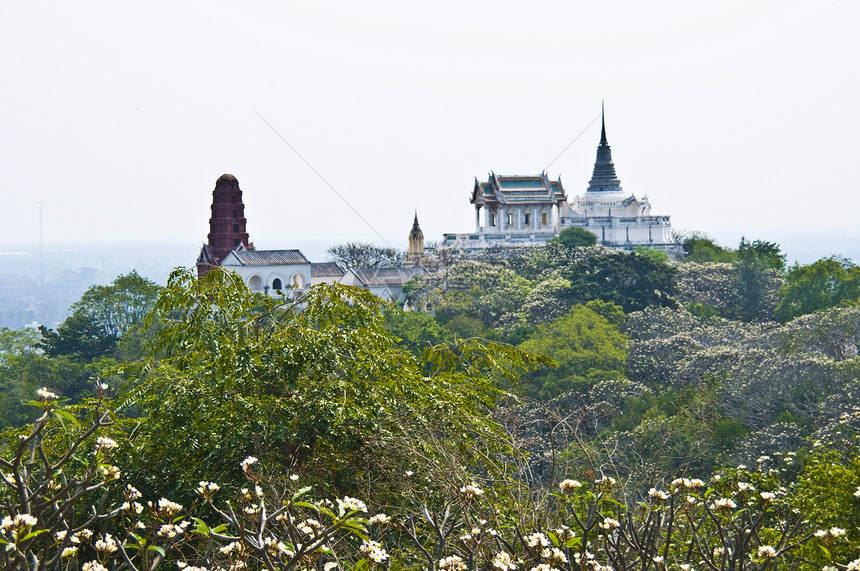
<point x="226" y="227"/>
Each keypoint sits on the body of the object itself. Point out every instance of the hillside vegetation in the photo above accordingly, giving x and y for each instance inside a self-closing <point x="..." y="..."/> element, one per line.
<point x="558" y="408"/>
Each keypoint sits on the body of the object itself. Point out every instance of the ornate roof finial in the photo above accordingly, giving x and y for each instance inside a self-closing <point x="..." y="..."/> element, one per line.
<point x="603" y="125"/>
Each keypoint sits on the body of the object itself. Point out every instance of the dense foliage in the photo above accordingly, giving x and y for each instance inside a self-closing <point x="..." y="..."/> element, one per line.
<point x="557" y="408"/>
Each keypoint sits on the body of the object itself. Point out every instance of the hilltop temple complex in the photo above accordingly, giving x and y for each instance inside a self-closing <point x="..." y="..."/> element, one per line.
<point x="529" y="210"/>
<point x="509" y="211"/>
<point x="289" y="272"/>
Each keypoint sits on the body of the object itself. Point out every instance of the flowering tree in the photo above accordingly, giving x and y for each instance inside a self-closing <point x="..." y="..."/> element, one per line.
<point x="58" y="494"/>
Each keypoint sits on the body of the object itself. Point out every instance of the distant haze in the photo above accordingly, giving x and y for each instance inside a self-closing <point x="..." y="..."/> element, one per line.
<point x="735" y="118"/>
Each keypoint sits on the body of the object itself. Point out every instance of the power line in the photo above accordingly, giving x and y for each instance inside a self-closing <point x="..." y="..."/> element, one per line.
<point x="321" y="177"/>
<point x="546" y="168"/>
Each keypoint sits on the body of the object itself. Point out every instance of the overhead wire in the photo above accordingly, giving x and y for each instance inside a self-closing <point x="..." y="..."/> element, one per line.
<point x="321" y="177"/>
<point x="581" y="133"/>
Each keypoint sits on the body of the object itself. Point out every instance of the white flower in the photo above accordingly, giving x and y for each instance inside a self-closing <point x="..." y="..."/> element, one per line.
<point x="109" y="472"/>
<point x="609" y="523"/>
<point x="293" y="478"/>
<point x="723" y="504"/>
<point x="555" y="556"/>
<point x="353" y="504"/>
<point x="766" y="552"/>
<point x="170" y="531"/>
<point x="131" y="493"/>
<point x="247" y="463"/>
<point x="105" y="443"/>
<point x="658" y="495"/>
<point x="133" y="507"/>
<point x="20" y="522"/>
<point x="745" y="487"/>
<point x="69" y="552"/>
<point x="374" y="551"/>
<point x="45" y="395"/>
<point x="857" y="493"/>
<point x="251" y="510"/>
<point x="207" y="489"/>
<point x="470" y="491"/>
<point x="380" y="519"/>
<point x="837" y="531"/>
<point x="93" y="566"/>
<point x="767" y="496"/>
<point x="106" y="544"/>
<point x="569" y="486"/>
<point x="452" y="563"/>
<point x="166" y="508"/>
<point x="503" y="562"/>
<point x="231" y="547"/>
<point x="537" y="540"/>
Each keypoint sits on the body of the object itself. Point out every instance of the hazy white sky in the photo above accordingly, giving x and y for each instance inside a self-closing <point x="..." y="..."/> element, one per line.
<point x="734" y="117"/>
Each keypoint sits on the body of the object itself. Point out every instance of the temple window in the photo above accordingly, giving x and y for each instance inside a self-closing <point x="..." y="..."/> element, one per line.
<point x="528" y="219"/>
<point x="492" y="219"/>
<point x="510" y="218"/>
<point x="543" y="218"/>
<point x="255" y="283"/>
<point x="235" y="227"/>
<point x="276" y="284"/>
<point x="298" y="281"/>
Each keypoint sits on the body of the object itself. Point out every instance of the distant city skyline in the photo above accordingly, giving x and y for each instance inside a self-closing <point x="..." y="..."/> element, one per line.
<point x="734" y="118"/>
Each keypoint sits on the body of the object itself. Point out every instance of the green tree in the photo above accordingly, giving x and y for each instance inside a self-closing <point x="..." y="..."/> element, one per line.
<point x="323" y="391"/>
<point x="118" y="306"/>
<point x="631" y="281"/>
<point x="17" y="341"/>
<point x="829" y="282"/>
<point x="585" y="345"/>
<point x="415" y="331"/>
<point x="768" y="253"/>
<point x="101" y="317"/>
<point x="701" y="249"/>
<point x="365" y="255"/>
<point x="477" y="290"/>
<point x="79" y="337"/>
<point x="756" y="262"/>
<point x="575" y="238"/>
<point x="656" y="255"/>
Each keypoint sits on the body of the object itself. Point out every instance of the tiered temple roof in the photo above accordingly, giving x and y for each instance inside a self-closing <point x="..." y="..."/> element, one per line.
<point x="502" y="189"/>
<point x="604" y="179"/>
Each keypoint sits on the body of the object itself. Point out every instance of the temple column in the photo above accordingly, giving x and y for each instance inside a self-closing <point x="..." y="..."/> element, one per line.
<point x="477" y="218"/>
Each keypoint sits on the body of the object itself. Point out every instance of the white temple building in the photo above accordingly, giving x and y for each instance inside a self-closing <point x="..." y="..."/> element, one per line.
<point x="529" y="210"/>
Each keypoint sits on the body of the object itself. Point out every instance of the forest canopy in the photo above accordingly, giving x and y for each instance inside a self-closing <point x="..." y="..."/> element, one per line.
<point x="559" y="407"/>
